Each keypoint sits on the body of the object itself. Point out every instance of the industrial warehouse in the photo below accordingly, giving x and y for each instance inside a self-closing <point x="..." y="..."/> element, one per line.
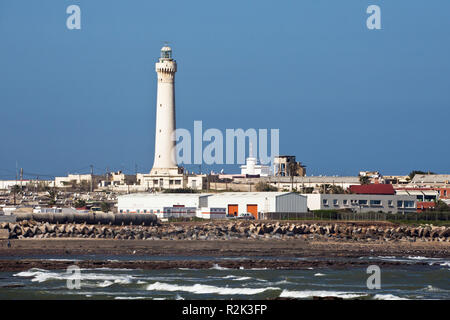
<point x="212" y="206"/>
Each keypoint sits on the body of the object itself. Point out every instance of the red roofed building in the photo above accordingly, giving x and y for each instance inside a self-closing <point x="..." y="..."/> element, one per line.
<point x="372" y="189"/>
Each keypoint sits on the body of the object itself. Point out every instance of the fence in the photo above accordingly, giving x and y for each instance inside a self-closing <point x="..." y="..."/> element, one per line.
<point x="353" y="216"/>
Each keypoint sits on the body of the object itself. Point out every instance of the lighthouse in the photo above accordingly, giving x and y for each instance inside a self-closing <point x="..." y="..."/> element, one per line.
<point x="166" y="173"/>
<point x="165" y="158"/>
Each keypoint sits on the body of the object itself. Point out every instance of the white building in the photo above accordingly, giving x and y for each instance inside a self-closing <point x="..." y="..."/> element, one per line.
<point x="166" y="205"/>
<point x="252" y="167"/>
<point x="255" y="202"/>
<point x="61" y="182"/>
<point x="362" y="202"/>
<point x="158" y="203"/>
<point x="8" y="184"/>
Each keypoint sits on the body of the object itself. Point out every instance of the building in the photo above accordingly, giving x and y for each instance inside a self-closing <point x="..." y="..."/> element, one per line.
<point x="255" y="202"/>
<point x="311" y="182"/>
<point x="426" y="198"/>
<point x="166" y="205"/>
<point x="362" y="202"/>
<point x="8" y="184"/>
<point x="160" y="204"/>
<point x="118" y="179"/>
<point x="252" y="168"/>
<point x="165" y="173"/>
<point x="438" y="182"/>
<point x="77" y="179"/>
<point x="285" y="166"/>
<point x="378" y="189"/>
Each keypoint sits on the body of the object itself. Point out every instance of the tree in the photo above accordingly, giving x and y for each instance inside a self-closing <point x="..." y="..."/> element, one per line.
<point x="105" y="206"/>
<point x="364" y="179"/>
<point x="53" y="196"/>
<point x="263" y="186"/>
<point x="414" y="172"/>
<point x="79" y="203"/>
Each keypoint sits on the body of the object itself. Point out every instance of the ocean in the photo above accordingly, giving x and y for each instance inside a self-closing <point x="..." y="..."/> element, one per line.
<point x="409" y="280"/>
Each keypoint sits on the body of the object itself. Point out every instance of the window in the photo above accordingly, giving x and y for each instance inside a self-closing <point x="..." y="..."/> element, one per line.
<point x="390" y="203"/>
<point x="138" y="211"/>
<point x="362" y="202"/>
<point x="445" y="193"/>
<point x="345" y="202"/>
<point x="400" y="204"/>
<point x="178" y="182"/>
<point x="335" y="202"/>
<point x="145" y="210"/>
<point x="121" y="211"/>
<point x="375" y="203"/>
<point x="325" y="202"/>
<point x="409" y="204"/>
<point x="170" y="181"/>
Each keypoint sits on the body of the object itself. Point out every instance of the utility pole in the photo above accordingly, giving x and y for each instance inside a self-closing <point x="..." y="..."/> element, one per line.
<point x="92" y="177"/>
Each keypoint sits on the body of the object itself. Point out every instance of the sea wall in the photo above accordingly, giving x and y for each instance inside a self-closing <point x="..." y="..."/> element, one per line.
<point x="223" y="230"/>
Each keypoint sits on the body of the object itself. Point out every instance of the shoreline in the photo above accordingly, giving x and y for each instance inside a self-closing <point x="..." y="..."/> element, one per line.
<point x="277" y="254"/>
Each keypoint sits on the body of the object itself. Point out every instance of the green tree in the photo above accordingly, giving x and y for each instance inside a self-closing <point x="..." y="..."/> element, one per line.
<point x="414" y="172"/>
<point x="105" y="206"/>
<point x="79" y="203"/>
<point x="364" y="179"/>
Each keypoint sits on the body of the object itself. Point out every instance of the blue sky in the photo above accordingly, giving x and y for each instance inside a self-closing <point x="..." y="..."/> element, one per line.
<point x="345" y="98"/>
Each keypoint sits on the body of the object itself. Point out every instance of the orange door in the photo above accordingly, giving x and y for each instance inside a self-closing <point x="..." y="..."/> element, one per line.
<point x="233" y="209"/>
<point x="253" y="209"/>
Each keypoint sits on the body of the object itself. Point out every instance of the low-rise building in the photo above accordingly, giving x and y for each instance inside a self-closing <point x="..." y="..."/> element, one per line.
<point x="438" y="182"/>
<point x="362" y="202"/>
<point x="256" y="202"/>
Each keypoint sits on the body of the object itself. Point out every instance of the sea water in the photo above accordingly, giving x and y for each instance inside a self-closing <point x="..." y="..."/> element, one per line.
<point x="409" y="280"/>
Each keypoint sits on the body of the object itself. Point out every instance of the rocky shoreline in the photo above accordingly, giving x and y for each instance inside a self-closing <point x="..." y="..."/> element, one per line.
<point x="228" y="230"/>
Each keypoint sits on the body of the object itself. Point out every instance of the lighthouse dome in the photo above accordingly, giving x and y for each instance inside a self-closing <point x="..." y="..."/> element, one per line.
<point x="166" y="52"/>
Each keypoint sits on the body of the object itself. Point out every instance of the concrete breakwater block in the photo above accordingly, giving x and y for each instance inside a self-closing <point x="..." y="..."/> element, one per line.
<point x="4" y="234"/>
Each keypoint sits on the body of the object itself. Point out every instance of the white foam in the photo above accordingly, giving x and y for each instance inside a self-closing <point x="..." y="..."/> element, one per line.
<point x="217" y="267"/>
<point x="319" y="275"/>
<point x="40" y="275"/>
<point x="421" y="258"/>
<point x="105" y="284"/>
<point x="129" y="298"/>
<point x="388" y="297"/>
<point x="430" y="288"/>
<point x="319" y="293"/>
<point x="206" y="289"/>
<point x="236" y="278"/>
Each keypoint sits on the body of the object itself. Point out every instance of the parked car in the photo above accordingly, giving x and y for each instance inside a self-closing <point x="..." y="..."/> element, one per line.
<point x="246" y="216"/>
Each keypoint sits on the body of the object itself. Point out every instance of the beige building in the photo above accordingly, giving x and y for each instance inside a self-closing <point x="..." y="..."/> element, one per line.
<point x="286" y="166"/>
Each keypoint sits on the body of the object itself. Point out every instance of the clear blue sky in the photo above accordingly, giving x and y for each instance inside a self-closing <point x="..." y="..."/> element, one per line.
<point x="344" y="98"/>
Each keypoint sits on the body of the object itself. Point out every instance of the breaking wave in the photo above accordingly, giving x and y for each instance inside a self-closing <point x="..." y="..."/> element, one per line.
<point x="206" y="289"/>
<point x="318" y="293"/>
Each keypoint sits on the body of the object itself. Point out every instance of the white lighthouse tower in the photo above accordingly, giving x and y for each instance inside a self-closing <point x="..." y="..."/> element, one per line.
<point x="166" y="174"/>
<point x="165" y="158"/>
